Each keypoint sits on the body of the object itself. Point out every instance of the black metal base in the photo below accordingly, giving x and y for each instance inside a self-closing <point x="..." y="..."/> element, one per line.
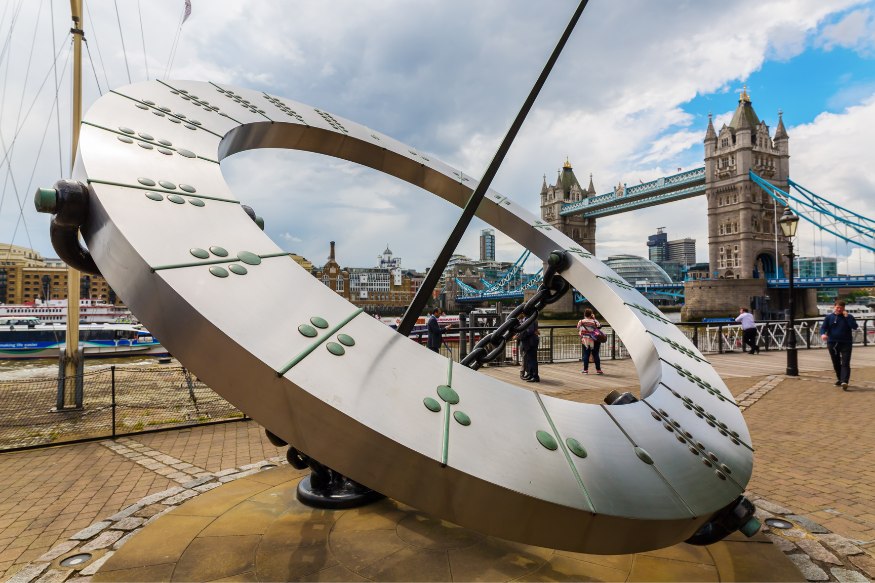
<point x="343" y="493"/>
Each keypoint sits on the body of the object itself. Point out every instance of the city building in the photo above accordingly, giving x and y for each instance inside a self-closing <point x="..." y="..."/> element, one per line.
<point x="637" y="270"/>
<point x="673" y="256"/>
<point x="25" y="276"/>
<point x="566" y="190"/>
<point x="815" y="267"/>
<point x="657" y="246"/>
<point x="487" y="245"/>
<point x="682" y="251"/>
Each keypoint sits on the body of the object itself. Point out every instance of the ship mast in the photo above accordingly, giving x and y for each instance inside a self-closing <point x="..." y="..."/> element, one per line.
<point x="71" y="359"/>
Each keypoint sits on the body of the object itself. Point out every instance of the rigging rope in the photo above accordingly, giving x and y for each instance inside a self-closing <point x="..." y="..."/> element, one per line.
<point x="57" y="110"/>
<point x="122" y="36"/>
<point x="97" y="44"/>
<point x="143" y="38"/>
<point x="96" y="80"/>
<point x="173" y="46"/>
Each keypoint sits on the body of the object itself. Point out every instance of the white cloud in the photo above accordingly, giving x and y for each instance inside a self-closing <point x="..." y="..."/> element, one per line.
<point x="855" y="31"/>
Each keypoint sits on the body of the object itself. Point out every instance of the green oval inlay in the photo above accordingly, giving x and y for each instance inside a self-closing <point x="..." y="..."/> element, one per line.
<point x="174" y="120"/>
<point x="306" y="329"/>
<point x="167" y="185"/>
<point x="319" y="322"/>
<point x="461" y="418"/>
<point x="186" y="153"/>
<point x="148" y="102"/>
<point x="238" y="269"/>
<point x="125" y="139"/>
<point x="141" y="106"/>
<point x="187" y="188"/>
<point x="145" y="145"/>
<point x="196" y="202"/>
<point x="335" y="348"/>
<point x="126" y="130"/>
<point x="546" y="440"/>
<point x="191" y="127"/>
<point x="643" y="455"/>
<point x="431" y="404"/>
<point x="154" y="195"/>
<point x="146" y="136"/>
<point x="165" y="151"/>
<point x="575" y="447"/>
<point x="146" y="181"/>
<point x="165" y="143"/>
<point x="249" y="258"/>
<point x="346" y="339"/>
<point x="198" y="252"/>
<point x="218" y="251"/>
<point x="175" y="198"/>
<point x="158" y="113"/>
<point x="447" y="393"/>
<point x="219" y="271"/>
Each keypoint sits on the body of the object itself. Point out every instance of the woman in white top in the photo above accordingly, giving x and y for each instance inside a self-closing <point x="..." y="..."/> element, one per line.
<point x="585" y="329"/>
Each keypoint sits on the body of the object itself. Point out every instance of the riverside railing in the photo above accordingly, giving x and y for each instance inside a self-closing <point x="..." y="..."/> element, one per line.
<point x="117" y="401"/>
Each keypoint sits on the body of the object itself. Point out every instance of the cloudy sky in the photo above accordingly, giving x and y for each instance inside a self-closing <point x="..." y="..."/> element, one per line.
<point x="627" y="101"/>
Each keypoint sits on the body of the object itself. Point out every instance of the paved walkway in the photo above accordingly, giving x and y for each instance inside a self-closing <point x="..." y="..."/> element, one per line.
<point x="814" y="463"/>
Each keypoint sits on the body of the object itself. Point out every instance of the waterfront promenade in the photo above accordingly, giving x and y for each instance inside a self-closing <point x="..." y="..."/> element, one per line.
<point x="814" y="465"/>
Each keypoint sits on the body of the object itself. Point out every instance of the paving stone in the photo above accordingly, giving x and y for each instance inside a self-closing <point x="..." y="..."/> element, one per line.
<point x="808" y="569"/>
<point x="185" y="495"/>
<point x="816" y="551"/>
<point x="866" y="563"/>
<point x="120" y="542"/>
<point x="783" y="544"/>
<point x="55" y="576"/>
<point x="96" y="565"/>
<point x="103" y="541"/>
<point x="763" y="514"/>
<point x="58" y="550"/>
<point x="197" y="482"/>
<point x="771" y="507"/>
<point x="129" y="523"/>
<point x="840" y="544"/>
<point x="159" y="496"/>
<point x="28" y="573"/>
<point x="226" y="472"/>
<point x="793" y="532"/>
<point x="848" y="576"/>
<point x="207" y="487"/>
<point x="125" y="512"/>
<point x="87" y="533"/>
<point x="807" y="524"/>
<point x="159" y="515"/>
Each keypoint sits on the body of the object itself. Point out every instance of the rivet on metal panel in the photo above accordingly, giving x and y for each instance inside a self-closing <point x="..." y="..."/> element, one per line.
<point x="319" y="322"/>
<point x="461" y="418"/>
<point x="575" y="447"/>
<point x="218" y="251"/>
<point x="167" y="185"/>
<point x="146" y="181"/>
<point x="249" y="258"/>
<point x="175" y="198"/>
<point x="165" y="143"/>
<point x="720" y="474"/>
<point x="219" y="271"/>
<point x="668" y="426"/>
<point x="146" y="136"/>
<point x="725" y="469"/>
<point x="707" y="462"/>
<point x="431" y="404"/>
<point x="447" y="393"/>
<point x="165" y="151"/>
<point x="187" y="188"/>
<point x="199" y="253"/>
<point x="694" y="451"/>
<point x="307" y="330"/>
<point x="335" y="349"/>
<point x="655" y="415"/>
<point x="546" y="440"/>
<point x="346" y="339"/>
<point x="196" y="202"/>
<point x="145" y="145"/>
<point x="186" y="153"/>
<point x="238" y="269"/>
<point x="126" y="130"/>
<point x="141" y="106"/>
<point x="643" y="455"/>
<point x="125" y="139"/>
<point x="154" y="195"/>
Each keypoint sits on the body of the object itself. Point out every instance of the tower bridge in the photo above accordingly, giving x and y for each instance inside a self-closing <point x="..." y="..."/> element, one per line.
<point x="746" y="183"/>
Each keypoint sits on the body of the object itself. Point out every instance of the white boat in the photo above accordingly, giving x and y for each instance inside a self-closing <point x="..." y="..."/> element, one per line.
<point x="28" y="337"/>
<point x="55" y="311"/>
<point x="856" y="310"/>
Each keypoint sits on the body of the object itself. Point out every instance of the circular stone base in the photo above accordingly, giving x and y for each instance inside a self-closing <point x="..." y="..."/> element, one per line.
<point x="255" y="529"/>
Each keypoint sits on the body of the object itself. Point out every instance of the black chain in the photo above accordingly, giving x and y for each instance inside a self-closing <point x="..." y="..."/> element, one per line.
<point x="551" y="290"/>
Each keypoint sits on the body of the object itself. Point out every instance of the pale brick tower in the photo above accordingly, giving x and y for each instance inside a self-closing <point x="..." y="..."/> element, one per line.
<point x="567" y="189"/>
<point x="741" y="216"/>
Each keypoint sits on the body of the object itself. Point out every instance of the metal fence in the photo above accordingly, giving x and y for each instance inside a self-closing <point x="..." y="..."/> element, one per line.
<point x="117" y="401"/>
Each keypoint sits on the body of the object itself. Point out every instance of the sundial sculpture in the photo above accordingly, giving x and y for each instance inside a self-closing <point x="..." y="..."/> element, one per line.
<point x="171" y="238"/>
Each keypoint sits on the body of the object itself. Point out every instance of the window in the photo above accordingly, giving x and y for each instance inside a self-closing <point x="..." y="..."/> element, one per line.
<point x="340" y="283"/>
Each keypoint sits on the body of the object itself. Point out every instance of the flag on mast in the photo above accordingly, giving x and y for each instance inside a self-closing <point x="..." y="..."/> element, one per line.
<point x="187" y="12"/>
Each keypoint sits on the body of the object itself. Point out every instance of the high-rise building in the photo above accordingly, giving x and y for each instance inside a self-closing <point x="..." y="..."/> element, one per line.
<point x="815" y="267"/>
<point x="657" y="246"/>
<point x="681" y="250"/>
<point x="487" y="245"/>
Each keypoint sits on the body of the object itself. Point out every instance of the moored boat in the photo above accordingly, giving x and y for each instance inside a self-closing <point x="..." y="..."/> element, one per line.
<point x="55" y="311"/>
<point x="28" y="337"/>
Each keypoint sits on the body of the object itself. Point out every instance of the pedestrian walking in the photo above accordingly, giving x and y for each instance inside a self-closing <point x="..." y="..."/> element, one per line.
<point x="435" y="331"/>
<point x="837" y="331"/>
<point x="748" y="331"/>
<point x="529" y="338"/>
<point x="588" y="330"/>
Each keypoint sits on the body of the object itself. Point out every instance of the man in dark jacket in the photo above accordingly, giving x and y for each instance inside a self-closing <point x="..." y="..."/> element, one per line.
<point x="529" y="343"/>
<point x="435" y="332"/>
<point x="837" y="331"/>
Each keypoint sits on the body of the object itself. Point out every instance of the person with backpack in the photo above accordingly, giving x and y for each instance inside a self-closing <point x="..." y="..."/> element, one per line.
<point x="590" y="339"/>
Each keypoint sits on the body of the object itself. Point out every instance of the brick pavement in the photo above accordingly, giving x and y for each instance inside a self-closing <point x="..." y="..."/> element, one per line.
<point x="813" y="443"/>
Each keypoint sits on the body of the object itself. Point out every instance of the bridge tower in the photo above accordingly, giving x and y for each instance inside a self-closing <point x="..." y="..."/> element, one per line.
<point x="741" y="216"/>
<point x="567" y="189"/>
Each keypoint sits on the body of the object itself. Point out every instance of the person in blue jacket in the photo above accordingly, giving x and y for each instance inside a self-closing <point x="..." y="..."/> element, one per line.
<point x="435" y="331"/>
<point x="837" y="331"/>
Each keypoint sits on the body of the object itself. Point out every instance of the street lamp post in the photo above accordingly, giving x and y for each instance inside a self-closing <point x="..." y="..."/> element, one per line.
<point x="789" y="221"/>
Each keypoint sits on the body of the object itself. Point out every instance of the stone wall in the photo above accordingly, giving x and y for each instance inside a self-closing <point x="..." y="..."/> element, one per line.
<point x="719" y="298"/>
